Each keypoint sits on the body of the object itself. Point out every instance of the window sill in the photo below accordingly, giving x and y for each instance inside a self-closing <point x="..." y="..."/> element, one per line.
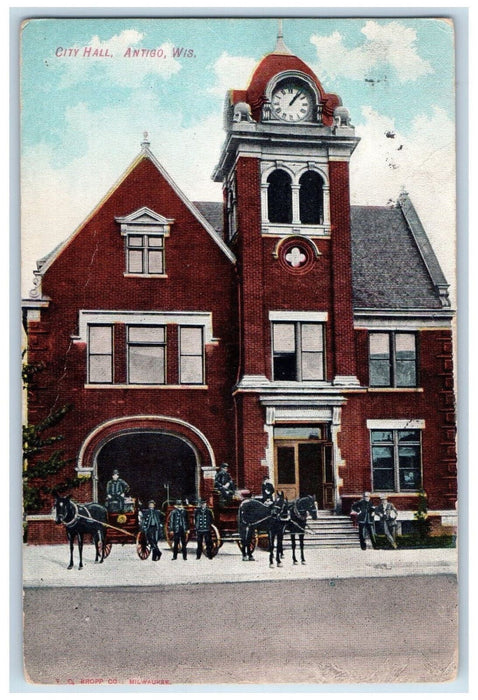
<point x="311" y="230"/>
<point x="146" y="386"/>
<point x="395" y="388"/>
<point x="138" y="275"/>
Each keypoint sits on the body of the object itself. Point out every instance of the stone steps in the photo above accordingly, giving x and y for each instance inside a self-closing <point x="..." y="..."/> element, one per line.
<point x="329" y="530"/>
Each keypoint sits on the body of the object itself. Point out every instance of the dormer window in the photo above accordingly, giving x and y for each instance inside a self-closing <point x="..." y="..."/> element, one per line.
<point x="145" y="254"/>
<point x="144" y="233"/>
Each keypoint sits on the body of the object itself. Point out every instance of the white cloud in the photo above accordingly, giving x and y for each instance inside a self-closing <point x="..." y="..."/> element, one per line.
<point x="116" y="60"/>
<point x="386" y="45"/>
<point x="55" y="200"/>
<point x="232" y="72"/>
<point x="422" y="162"/>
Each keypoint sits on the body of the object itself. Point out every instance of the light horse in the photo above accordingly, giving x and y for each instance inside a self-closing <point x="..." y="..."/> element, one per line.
<point x="80" y="519"/>
<point x="254" y="515"/>
<point x="297" y="523"/>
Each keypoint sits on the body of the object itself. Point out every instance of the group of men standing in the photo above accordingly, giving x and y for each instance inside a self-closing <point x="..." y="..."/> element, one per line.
<point x="151" y="523"/>
<point x="151" y="520"/>
<point x="366" y="512"/>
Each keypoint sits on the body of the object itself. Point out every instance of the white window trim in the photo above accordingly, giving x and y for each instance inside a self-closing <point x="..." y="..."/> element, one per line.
<point x="295" y="168"/>
<point x="307" y="316"/>
<point x="396" y="424"/>
<point x="147" y="318"/>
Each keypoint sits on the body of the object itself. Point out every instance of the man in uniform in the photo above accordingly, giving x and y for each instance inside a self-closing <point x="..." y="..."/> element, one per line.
<point x="202" y="522"/>
<point x="268" y="490"/>
<point x="388" y="515"/>
<point x="224" y="483"/>
<point x="116" y="490"/>
<point x="178" y="528"/>
<point x="365" y="510"/>
<point x="150" y="522"/>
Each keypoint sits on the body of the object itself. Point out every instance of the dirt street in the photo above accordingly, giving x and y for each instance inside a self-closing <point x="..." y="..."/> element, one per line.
<point x="339" y="631"/>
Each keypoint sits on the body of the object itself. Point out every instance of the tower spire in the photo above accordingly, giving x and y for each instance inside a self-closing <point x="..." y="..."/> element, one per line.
<point x="280" y="46"/>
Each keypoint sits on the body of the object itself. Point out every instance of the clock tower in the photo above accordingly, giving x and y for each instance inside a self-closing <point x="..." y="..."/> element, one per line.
<point x="285" y="173"/>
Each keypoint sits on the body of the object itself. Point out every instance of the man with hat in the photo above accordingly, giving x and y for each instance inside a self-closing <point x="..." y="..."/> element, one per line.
<point x="224" y="483"/>
<point x="150" y="521"/>
<point x="116" y="490"/>
<point x="388" y="516"/>
<point x="178" y="529"/>
<point x="268" y="490"/>
<point x="364" y="509"/>
<point x="202" y="522"/>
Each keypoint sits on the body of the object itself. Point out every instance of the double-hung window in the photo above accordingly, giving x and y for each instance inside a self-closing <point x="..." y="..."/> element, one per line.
<point x="145" y="254"/>
<point x="100" y="354"/>
<point x="396" y="460"/>
<point x="298" y="351"/>
<point x="191" y="360"/>
<point x="392" y="359"/>
<point x="146" y="354"/>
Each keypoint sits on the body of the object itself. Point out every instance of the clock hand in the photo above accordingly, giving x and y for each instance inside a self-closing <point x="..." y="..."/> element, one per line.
<point x="295" y="97"/>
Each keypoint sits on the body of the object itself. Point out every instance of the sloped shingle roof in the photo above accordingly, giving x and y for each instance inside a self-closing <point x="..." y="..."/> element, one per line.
<point x="388" y="270"/>
<point x="212" y="211"/>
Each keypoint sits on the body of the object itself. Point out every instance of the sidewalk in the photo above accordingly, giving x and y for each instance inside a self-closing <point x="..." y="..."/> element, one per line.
<point x="46" y="566"/>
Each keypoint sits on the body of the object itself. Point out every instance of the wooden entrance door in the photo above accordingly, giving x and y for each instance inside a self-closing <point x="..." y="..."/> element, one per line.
<point x="303" y="468"/>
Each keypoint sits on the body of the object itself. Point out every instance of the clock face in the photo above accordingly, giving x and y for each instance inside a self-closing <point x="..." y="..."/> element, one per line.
<point x="292" y="102"/>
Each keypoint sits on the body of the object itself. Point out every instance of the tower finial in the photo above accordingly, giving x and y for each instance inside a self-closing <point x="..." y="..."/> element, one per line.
<point x="145" y="143"/>
<point x="280" y="46"/>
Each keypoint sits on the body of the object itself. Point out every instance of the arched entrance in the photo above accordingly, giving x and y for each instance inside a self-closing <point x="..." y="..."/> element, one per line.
<point x="156" y="464"/>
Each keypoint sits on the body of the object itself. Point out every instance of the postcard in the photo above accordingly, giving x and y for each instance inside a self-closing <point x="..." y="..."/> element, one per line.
<point x="238" y="253"/>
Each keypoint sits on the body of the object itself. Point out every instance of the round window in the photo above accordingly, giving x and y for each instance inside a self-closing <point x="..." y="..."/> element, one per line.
<point x="296" y="256"/>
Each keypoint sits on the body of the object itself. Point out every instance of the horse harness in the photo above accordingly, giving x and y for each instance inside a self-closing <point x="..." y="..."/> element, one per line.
<point x="301" y="516"/>
<point x="78" y="515"/>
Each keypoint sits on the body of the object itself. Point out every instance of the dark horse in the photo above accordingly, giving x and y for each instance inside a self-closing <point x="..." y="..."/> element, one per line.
<point x="254" y="515"/>
<point x="297" y="522"/>
<point x="80" y="519"/>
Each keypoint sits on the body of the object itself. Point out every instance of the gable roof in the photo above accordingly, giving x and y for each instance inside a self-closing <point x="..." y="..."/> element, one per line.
<point x="44" y="263"/>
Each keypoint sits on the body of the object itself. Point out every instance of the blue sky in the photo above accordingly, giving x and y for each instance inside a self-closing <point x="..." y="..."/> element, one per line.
<point x="83" y="117"/>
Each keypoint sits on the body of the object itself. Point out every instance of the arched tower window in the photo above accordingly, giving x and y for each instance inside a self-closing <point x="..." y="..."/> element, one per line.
<point x="311" y="198"/>
<point x="279" y="197"/>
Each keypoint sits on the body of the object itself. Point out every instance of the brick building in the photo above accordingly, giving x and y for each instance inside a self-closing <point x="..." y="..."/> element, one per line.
<point x="284" y="331"/>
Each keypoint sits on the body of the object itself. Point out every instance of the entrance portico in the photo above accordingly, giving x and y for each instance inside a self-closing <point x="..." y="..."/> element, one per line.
<point x="302" y="454"/>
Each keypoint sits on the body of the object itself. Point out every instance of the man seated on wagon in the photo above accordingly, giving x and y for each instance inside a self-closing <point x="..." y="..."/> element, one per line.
<point x="150" y="521"/>
<point x="268" y="490"/>
<point x="224" y="484"/>
<point x="116" y="490"/>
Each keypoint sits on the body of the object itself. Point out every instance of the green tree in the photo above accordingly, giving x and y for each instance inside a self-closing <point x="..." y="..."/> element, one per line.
<point x="40" y="460"/>
<point x="422" y="522"/>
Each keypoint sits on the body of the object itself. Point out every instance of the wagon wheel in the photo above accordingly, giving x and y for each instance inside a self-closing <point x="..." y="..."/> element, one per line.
<point x="254" y="540"/>
<point x="143" y="549"/>
<point x="104" y="548"/>
<point x="216" y="541"/>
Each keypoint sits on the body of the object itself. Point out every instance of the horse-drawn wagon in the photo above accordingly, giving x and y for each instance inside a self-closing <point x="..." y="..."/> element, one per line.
<point x="246" y="522"/>
<point x="125" y="528"/>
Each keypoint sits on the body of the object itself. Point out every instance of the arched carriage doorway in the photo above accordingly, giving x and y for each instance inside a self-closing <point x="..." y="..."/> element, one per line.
<point x="157" y="455"/>
<point x="155" y="464"/>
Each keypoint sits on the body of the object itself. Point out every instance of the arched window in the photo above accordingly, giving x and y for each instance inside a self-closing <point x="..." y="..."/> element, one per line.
<point x="311" y="199"/>
<point x="279" y="197"/>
